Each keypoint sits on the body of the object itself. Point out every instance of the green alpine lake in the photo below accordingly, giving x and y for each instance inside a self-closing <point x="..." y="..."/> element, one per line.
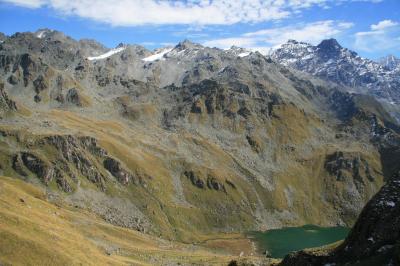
<point x="280" y="242"/>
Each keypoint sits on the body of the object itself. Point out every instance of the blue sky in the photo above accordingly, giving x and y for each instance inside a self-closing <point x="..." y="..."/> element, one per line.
<point x="369" y="27"/>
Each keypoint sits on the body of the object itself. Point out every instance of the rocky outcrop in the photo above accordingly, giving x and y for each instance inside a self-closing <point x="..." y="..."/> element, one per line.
<point x="374" y="239"/>
<point x="115" y="168"/>
<point x="37" y="166"/>
<point x="212" y="183"/>
<point x="13" y="80"/>
<point x="28" y="66"/>
<point x="73" y="97"/>
<point x="347" y="166"/>
<point x="196" y="181"/>
<point x="208" y="181"/>
<point x="6" y="104"/>
<point x="40" y="84"/>
<point x="254" y="143"/>
<point x="44" y="171"/>
<point x="72" y="149"/>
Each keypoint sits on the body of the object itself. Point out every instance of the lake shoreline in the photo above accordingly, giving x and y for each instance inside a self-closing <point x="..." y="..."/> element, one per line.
<point x="280" y="242"/>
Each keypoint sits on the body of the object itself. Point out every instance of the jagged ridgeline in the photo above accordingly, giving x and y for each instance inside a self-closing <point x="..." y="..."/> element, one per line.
<point x="187" y="141"/>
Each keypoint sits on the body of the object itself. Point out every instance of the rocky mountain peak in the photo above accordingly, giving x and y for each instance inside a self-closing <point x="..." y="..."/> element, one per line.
<point x="120" y="45"/>
<point x="43" y="33"/>
<point x="187" y="44"/>
<point x="390" y="62"/>
<point x="330" y="44"/>
<point x="329" y="48"/>
<point x="292" y="41"/>
<point x="330" y="61"/>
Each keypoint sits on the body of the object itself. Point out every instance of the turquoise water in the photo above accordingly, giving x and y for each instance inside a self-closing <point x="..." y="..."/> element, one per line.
<point x="280" y="242"/>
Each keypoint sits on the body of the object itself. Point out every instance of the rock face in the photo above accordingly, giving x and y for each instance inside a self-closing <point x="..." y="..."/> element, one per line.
<point x="6" y="104"/>
<point x="344" y="167"/>
<point x="330" y="61"/>
<point x="374" y="239"/>
<point x="190" y="139"/>
<point x="194" y="179"/>
<point x="114" y="167"/>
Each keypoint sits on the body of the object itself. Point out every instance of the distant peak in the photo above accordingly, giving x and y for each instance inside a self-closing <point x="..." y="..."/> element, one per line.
<point x="237" y="48"/>
<point x="186" y="44"/>
<point x="120" y="45"/>
<point x="329" y="44"/>
<point x="42" y="33"/>
<point x="292" y="41"/>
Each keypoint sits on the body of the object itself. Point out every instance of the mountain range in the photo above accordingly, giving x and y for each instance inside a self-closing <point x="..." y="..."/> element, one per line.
<point x="188" y="143"/>
<point x="331" y="62"/>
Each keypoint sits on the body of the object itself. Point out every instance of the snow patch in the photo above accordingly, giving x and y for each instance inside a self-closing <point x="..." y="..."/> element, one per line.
<point x="41" y="34"/>
<point x="243" y="54"/>
<point x="108" y="54"/>
<point x="390" y="203"/>
<point x="158" y="55"/>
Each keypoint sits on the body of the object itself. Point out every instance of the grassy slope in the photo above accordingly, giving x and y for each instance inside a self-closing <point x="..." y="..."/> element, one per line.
<point x="35" y="232"/>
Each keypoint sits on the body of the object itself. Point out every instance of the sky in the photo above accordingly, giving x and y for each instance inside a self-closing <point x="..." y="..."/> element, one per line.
<point x="369" y="27"/>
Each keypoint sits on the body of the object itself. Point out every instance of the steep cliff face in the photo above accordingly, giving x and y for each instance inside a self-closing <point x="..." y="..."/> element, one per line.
<point x="188" y="140"/>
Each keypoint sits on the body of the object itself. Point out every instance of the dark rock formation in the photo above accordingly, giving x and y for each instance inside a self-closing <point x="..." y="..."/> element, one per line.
<point x="72" y="149"/>
<point x="37" y="166"/>
<point x="6" y="104"/>
<point x="73" y="97"/>
<point x="346" y="166"/>
<point x="255" y="145"/>
<point x="13" y="80"/>
<point x="196" y="181"/>
<point x="212" y="183"/>
<point x="40" y="84"/>
<point x="115" y="168"/>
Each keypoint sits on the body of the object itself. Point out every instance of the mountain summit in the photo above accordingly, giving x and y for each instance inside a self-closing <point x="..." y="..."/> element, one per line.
<point x="331" y="62"/>
<point x="329" y="48"/>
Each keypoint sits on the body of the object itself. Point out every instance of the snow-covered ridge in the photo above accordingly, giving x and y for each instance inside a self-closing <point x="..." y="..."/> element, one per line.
<point x="244" y="54"/>
<point x="332" y="62"/>
<point x="108" y="54"/>
<point x="158" y="55"/>
<point x="238" y="51"/>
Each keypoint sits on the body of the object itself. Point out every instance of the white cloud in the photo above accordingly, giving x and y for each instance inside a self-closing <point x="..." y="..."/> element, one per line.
<point x="161" y="12"/>
<point x="312" y="32"/>
<point x="384" y="24"/>
<point x="382" y="36"/>
<point x="263" y="39"/>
